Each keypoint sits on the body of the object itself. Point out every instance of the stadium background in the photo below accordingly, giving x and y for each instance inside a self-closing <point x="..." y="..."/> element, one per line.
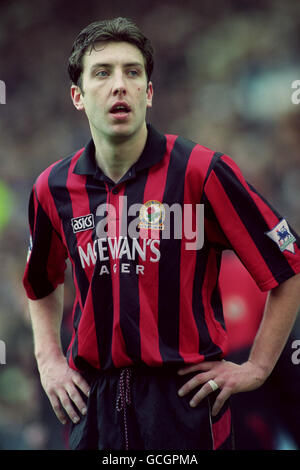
<point x="222" y="77"/>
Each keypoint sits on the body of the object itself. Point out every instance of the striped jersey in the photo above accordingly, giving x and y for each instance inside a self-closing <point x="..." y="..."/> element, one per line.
<point x="145" y="252"/>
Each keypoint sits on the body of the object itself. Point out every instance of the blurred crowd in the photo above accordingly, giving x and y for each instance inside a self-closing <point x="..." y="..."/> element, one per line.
<point x="222" y="77"/>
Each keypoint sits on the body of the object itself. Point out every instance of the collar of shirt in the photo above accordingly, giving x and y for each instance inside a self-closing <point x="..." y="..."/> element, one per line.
<point x="153" y="152"/>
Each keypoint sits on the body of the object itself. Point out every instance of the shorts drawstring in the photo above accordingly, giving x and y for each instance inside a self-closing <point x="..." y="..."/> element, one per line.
<point x="124" y="398"/>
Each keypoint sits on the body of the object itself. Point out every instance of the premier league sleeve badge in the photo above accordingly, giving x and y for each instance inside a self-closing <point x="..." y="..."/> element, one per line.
<point x="282" y="236"/>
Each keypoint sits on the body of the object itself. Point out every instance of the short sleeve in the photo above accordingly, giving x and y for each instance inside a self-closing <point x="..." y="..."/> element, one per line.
<point x="46" y="260"/>
<point x="263" y="240"/>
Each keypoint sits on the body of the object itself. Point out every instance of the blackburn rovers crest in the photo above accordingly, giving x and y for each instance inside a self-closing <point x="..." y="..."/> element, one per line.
<point x="152" y="215"/>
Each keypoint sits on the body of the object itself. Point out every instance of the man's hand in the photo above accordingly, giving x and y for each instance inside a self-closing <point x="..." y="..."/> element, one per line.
<point x="231" y="378"/>
<point x="60" y="383"/>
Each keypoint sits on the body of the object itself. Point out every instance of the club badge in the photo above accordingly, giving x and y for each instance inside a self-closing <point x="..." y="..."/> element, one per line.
<point x="152" y="215"/>
<point x="283" y="237"/>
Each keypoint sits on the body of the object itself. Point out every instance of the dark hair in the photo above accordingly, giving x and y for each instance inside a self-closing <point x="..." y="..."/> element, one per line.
<point x="116" y="29"/>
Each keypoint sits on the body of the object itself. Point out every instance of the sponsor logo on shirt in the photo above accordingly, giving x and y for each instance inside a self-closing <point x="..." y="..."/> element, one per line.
<point x="282" y="236"/>
<point x="85" y="222"/>
<point x="114" y="249"/>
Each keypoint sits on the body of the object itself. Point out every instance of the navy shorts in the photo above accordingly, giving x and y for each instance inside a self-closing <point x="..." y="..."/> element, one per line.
<point x="138" y="408"/>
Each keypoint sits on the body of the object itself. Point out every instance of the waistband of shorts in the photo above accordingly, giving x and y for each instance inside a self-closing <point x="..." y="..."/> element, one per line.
<point x="137" y="369"/>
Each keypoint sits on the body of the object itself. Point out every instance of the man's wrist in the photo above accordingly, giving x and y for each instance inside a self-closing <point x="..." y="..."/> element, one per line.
<point x="262" y="371"/>
<point x="51" y="352"/>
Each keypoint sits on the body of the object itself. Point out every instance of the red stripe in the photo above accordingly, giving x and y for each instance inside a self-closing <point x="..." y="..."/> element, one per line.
<point x="56" y="264"/>
<point x="118" y="348"/>
<point x="46" y="200"/>
<point x="148" y="284"/>
<point x="196" y="171"/>
<point x="221" y="429"/>
<point x="86" y="333"/>
<point x="53" y="268"/>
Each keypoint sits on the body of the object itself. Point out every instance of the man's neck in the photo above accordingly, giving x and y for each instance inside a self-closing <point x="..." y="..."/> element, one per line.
<point x="116" y="157"/>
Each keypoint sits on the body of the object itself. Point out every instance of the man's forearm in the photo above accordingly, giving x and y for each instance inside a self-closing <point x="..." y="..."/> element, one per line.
<point x="46" y="316"/>
<point x="278" y="320"/>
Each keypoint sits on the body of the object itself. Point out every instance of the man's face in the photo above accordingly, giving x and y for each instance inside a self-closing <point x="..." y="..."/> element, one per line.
<point x="114" y="92"/>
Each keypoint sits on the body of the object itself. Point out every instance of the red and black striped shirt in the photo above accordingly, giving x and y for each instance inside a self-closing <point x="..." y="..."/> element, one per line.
<point x="149" y="299"/>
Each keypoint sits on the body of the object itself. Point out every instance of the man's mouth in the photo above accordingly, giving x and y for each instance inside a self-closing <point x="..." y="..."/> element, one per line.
<point x="120" y="109"/>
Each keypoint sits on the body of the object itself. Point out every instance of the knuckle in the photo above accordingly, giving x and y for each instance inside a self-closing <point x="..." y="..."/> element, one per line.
<point x="232" y="383"/>
<point x="56" y="408"/>
<point x="76" y="378"/>
<point x="196" y="380"/>
<point x="79" y="384"/>
<point x="192" y="384"/>
<point x="199" y="378"/>
<point x="51" y="391"/>
<point x="69" y="410"/>
<point x="65" y="403"/>
<point x="219" y="401"/>
<point x="46" y="385"/>
<point x="73" y="395"/>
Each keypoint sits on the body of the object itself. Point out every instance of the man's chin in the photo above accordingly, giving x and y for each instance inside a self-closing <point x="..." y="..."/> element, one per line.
<point x="121" y="133"/>
<point x="124" y="131"/>
<point x="118" y="133"/>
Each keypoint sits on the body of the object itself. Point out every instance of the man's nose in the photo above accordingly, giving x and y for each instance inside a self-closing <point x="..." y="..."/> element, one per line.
<point x="119" y="87"/>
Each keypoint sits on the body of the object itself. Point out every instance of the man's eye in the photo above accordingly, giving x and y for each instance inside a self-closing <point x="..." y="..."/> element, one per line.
<point x="133" y="73"/>
<point x="101" y="73"/>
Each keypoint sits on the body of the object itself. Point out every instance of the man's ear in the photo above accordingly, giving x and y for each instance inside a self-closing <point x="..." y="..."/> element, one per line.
<point x="149" y="94"/>
<point x="76" y="95"/>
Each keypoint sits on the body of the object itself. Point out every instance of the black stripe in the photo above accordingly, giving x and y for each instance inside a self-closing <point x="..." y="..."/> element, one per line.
<point x="216" y="301"/>
<point x="76" y="319"/>
<point x="169" y="266"/>
<point x="213" y="161"/>
<point x="206" y="345"/>
<point x="101" y="285"/>
<point x="42" y="236"/>
<point x="253" y="221"/>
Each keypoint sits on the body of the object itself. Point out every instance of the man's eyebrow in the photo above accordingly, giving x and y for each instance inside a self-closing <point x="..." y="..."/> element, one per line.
<point x="134" y="64"/>
<point x="110" y="65"/>
<point x="99" y="64"/>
